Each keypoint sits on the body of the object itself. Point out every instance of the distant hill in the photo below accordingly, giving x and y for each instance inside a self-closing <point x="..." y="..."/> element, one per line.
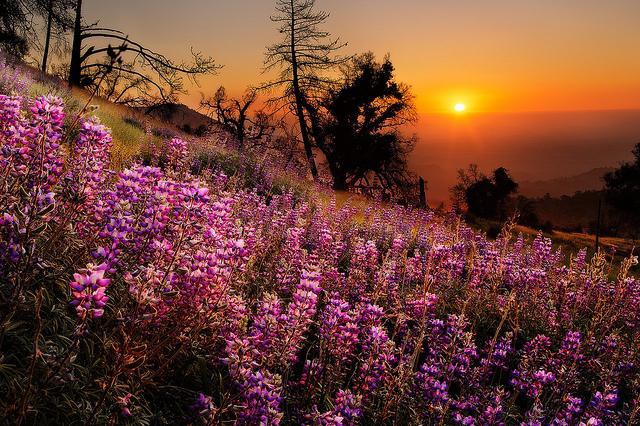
<point x="180" y="116"/>
<point x="532" y="146"/>
<point x="588" y="181"/>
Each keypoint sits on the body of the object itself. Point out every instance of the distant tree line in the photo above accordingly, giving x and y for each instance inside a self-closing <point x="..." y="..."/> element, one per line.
<point x="613" y="211"/>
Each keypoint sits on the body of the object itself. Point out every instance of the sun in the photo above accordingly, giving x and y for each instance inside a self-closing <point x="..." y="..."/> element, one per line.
<point x="459" y="107"/>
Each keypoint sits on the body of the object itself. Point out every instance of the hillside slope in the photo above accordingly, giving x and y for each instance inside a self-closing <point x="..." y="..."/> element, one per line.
<point x="198" y="286"/>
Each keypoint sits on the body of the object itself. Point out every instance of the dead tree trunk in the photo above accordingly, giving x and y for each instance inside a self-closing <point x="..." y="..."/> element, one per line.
<point x="423" y="194"/>
<point x="304" y="131"/>
<point x="47" y="40"/>
<point x="75" y="67"/>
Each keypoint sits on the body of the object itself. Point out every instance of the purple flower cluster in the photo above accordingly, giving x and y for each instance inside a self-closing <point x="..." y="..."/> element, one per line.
<point x="91" y="155"/>
<point x="32" y="164"/>
<point x="12" y="80"/>
<point x="177" y="153"/>
<point x="293" y="310"/>
<point x="88" y="290"/>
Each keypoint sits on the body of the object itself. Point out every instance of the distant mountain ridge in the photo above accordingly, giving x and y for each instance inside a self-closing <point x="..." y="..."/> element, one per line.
<point x="591" y="180"/>
<point x="179" y="115"/>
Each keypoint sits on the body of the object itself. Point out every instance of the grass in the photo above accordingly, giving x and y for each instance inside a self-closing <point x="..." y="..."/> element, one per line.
<point x="128" y="138"/>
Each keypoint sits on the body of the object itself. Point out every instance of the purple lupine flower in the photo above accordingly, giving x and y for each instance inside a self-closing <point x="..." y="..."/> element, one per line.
<point x="12" y="80"/>
<point x="177" y="154"/>
<point x="570" y="413"/>
<point x="202" y="406"/>
<point x="496" y="359"/>
<point x="125" y="405"/>
<point x="89" y="168"/>
<point x="378" y="355"/>
<point x="267" y="328"/>
<point x="363" y="265"/>
<point x="88" y="291"/>
<point x="261" y="399"/>
<point x="431" y="388"/>
<point x="291" y="260"/>
<point x="299" y="314"/>
<point x="48" y="110"/>
<point x="602" y="405"/>
<point x="339" y="331"/>
<point x="346" y="411"/>
<point x="533" y="374"/>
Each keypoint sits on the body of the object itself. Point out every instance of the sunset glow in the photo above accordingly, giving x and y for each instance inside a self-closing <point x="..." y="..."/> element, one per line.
<point x="459" y="107"/>
<point x="501" y="62"/>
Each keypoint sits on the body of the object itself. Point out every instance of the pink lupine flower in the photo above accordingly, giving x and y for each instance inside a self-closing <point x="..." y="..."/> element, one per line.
<point x="88" y="290"/>
<point x="300" y="313"/>
<point x="177" y="153"/>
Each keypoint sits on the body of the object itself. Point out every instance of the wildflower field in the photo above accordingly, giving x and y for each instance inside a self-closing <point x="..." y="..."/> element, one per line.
<point x="168" y="292"/>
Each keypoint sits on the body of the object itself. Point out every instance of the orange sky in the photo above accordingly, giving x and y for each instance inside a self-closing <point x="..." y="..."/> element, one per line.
<point x="493" y="55"/>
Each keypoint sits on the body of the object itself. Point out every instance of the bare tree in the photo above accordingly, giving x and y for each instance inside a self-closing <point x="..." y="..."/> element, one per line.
<point x="235" y="116"/>
<point x="47" y="42"/>
<point x="59" y="20"/>
<point x="287" y="143"/>
<point x="139" y="76"/>
<point x="75" y="67"/>
<point x="20" y="22"/>
<point x="466" y="178"/>
<point x="304" y="57"/>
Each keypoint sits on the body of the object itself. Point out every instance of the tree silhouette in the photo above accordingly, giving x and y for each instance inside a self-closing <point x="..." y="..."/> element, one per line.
<point x="503" y="184"/>
<point x="16" y="27"/>
<point x="129" y="72"/>
<point x="20" y="19"/>
<point x="484" y="196"/>
<point x="623" y="189"/>
<point x="303" y="56"/>
<point x="59" y="18"/>
<point x="234" y="115"/>
<point x="361" y="140"/>
<point x="466" y="178"/>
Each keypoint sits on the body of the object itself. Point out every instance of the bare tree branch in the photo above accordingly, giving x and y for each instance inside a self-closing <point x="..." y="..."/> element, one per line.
<point x="142" y="76"/>
<point x="303" y="55"/>
<point x="233" y="115"/>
